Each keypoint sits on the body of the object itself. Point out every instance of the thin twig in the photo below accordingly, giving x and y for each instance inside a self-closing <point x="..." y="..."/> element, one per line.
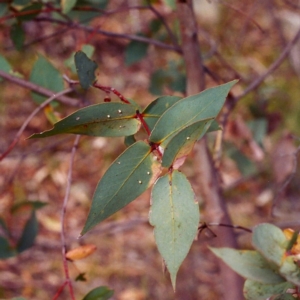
<point x="286" y="182"/>
<point x="131" y="37"/>
<point x="62" y="217"/>
<point x="42" y="38"/>
<point x="32" y="152"/>
<point x="61" y="288"/>
<point x="272" y="68"/>
<point x="39" y="89"/>
<point x="230" y="226"/>
<point x="243" y="14"/>
<point x="171" y="34"/>
<point x="39" y="108"/>
<point x="109" y="89"/>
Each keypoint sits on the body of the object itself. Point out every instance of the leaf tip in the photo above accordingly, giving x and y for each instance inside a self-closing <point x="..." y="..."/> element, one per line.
<point x="173" y="280"/>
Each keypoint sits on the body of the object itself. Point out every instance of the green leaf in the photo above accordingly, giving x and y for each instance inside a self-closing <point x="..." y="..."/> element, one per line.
<point x="105" y="119"/>
<point x="31" y="204"/>
<point x="157" y="107"/>
<point x="33" y="10"/>
<point x="3" y="226"/>
<point x="157" y="81"/>
<point x="6" y="251"/>
<point x="244" y="164"/>
<point x="285" y="297"/>
<point x="3" y="9"/>
<point x="99" y="293"/>
<point x="270" y="242"/>
<point x="292" y="241"/>
<point x="29" y="233"/>
<point x="80" y="277"/>
<point x="134" y="52"/>
<point x="44" y="74"/>
<point x="4" y="66"/>
<point x="17" y="35"/>
<point x="67" y="5"/>
<point x="182" y="143"/>
<point x="136" y="105"/>
<point x="21" y="2"/>
<point x="249" y="264"/>
<point x="259" y="291"/>
<point x="172" y="77"/>
<point x="85" y="69"/>
<point x="259" y="128"/>
<point x="127" y="178"/>
<point x="214" y="126"/>
<point x="189" y="110"/>
<point x="129" y="140"/>
<point x="170" y="3"/>
<point x="175" y="217"/>
<point x="85" y="17"/>
<point x="290" y="270"/>
<point x="87" y="49"/>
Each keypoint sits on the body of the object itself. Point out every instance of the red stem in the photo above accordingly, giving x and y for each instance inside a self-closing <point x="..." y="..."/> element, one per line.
<point x="60" y="290"/>
<point x="62" y="219"/>
<point x="108" y="89"/>
<point x="145" y="125"/>
<point x="28" y="12"/>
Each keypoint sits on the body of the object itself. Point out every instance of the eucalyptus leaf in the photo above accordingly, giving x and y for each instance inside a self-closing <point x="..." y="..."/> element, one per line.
<point x="29" y="233"/>
<point x="67" y="5"/>
<point x="3" y="9"/>
<point x="157" y="107"/>
<point x="31" y="204"/>
<point x="175" y="217"/>
<point x="129" y="140"/>
<point x="182" y="143"/>
<point x="85" y="68"/>
<point x="99" y="293"/>
<point x="4" y="66"/>
<point x="249" y="264"/>
<point x="189" y="110"/>
<point x="46" y="75"/>
<point x="127" y="178"/>
<point x="270" y="242"/>
<point x="87" y="49"/>
<point x="259" y="291"/>
<point x="285" y="297"/>
<point x="135" y="51"/>
<point x="290" y="270"/>
<point x="170" y="3"/>
<point x="6" y="251"/>
<point x="105" y="119"/>
<point x="17" y="35"/>
<point x="33" y="10"/>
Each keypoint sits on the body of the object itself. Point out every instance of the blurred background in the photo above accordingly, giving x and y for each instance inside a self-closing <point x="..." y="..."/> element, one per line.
<point x="258" y="167"/>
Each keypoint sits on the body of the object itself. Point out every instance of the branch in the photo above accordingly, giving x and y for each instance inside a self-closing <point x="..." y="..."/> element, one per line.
<point x="39" y="108"/>
<point x="39" y="89"/>
<point x="157" y="13"/>
<point x="62" y="217"/>
<point x="131" y="37"/>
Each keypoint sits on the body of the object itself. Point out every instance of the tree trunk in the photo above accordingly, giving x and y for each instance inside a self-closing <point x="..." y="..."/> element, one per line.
<point x="207" y="182"/>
